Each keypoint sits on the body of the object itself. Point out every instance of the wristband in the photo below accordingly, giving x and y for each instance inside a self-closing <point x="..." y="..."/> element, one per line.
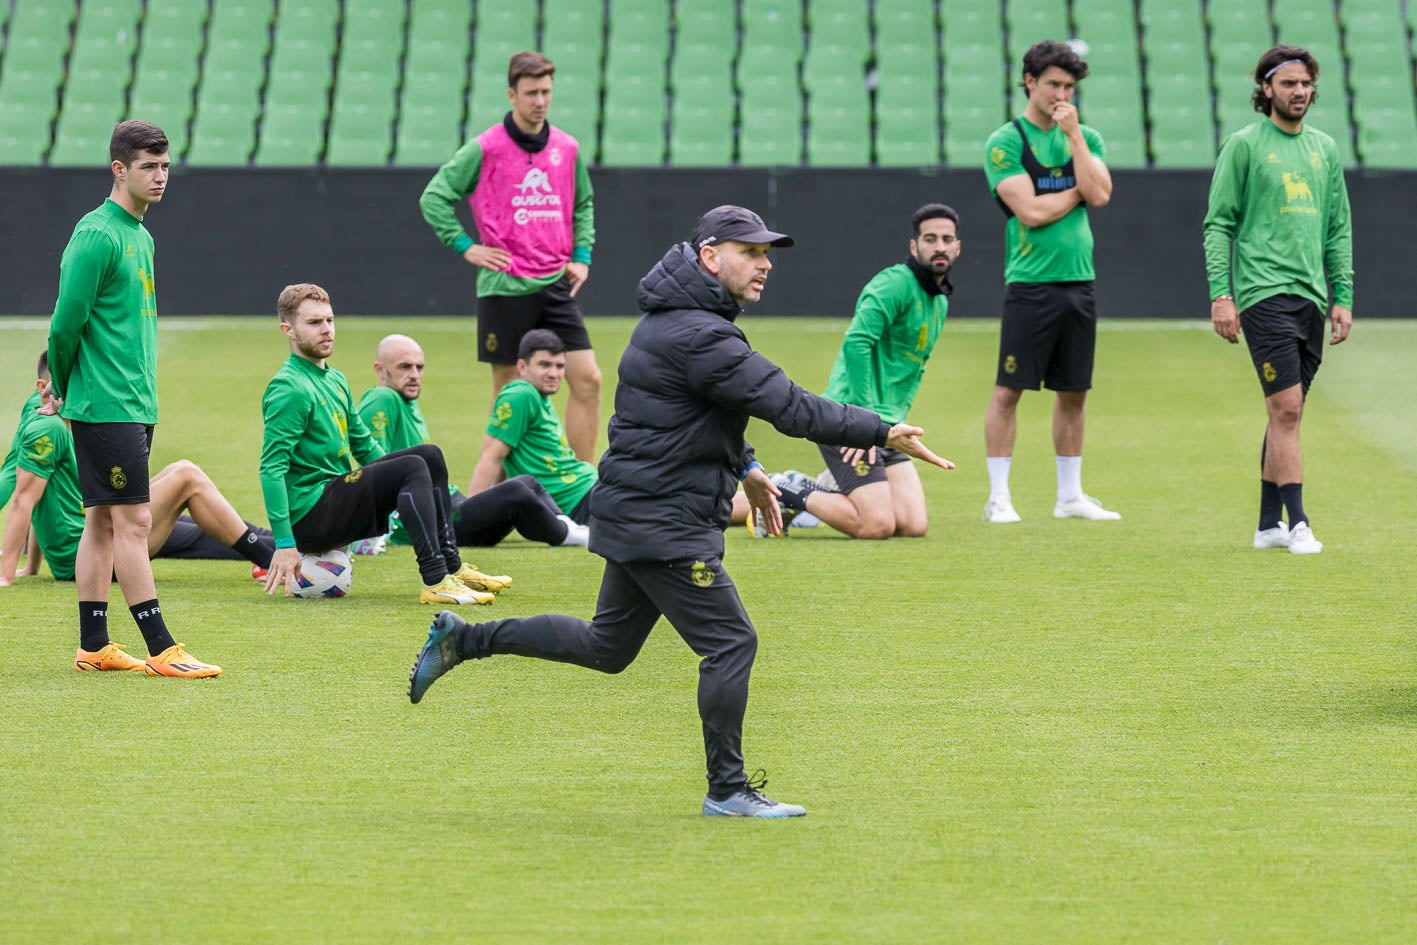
<point x="1227" y="297"/>
<point x="749" y="468"/>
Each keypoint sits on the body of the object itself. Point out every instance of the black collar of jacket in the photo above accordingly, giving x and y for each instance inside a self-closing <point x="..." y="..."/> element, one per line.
<point x="926" y="278"/>
<point x="529" y="143"/>
<point x="678" y="283"/>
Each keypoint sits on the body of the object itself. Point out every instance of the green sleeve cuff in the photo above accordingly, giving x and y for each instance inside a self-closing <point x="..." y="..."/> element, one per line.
<point x="1343" y="295"/>
<point x="285" y="541"/>
<point x="1220" y="286"/>
<point x="461" y="244"/>
<point x="581" y="254"/>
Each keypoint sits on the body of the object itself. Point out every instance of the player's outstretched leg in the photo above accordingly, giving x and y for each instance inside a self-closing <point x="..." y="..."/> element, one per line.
<point x="438" y="655"/>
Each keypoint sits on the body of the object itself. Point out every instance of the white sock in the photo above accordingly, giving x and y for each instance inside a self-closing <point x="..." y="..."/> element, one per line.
<point x="1069" y="478"/>
<point x="998" y="474"/>
<point x="576" y="535"/>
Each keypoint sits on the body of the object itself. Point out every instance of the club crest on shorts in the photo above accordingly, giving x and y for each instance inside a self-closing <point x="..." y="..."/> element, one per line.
<point x="491" y="343"/>
<point x="862" y="468"/>
<point x="701" y="574"/>
<point x="116" y="478"/>
<point x="1010" y="365"/>
<point x="1269" y="372"/>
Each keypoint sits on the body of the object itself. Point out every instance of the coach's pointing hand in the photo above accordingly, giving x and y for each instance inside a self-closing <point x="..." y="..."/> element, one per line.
<point x="906" y="439"/>
<point x="762" y="501"/>
<point x="284" y="569"/>
<point x="1225" y="319"/>
<point x="488" y="257"/>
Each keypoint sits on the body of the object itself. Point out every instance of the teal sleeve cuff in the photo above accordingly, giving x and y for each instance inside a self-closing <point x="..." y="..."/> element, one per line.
<point x="461" y="244"/>
<point x="581" y="254"/>
<point x="287" y="542"/>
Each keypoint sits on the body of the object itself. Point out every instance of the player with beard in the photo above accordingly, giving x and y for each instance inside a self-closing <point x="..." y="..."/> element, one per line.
<point x="1278" y="234"/>
<point x="881" y="363"/>
<point x="328" y="483"/>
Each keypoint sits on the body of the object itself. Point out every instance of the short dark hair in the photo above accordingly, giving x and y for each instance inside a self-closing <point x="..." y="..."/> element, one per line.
<point x="528" y="65"/>
<point x="1271" y="61"/>
<point x="540" y="339"/>
<point x="931" y="211"/>
<point x="43" y="368"/>
<point x="130" y="137"/>
<point x="1050" y="52"/>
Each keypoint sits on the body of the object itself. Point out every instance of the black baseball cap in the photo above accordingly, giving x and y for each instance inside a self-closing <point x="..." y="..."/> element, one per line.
<point x="734" y="223"/>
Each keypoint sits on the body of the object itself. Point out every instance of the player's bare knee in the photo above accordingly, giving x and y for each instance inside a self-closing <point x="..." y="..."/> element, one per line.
<point x="133" y="524"/>
<point x="911" y="529"/>
<point x="585" y="385"/>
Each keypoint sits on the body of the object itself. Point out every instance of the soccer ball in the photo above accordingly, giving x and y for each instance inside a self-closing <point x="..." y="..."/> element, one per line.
<point x="328" y="574"/>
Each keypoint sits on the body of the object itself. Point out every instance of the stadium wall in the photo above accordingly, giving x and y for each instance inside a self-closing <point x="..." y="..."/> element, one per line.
<point x="229" y="239"/>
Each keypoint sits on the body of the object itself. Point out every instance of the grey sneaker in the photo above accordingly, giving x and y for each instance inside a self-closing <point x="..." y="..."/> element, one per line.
<point x="438" y="655"/>
<point x="750" y="801"/>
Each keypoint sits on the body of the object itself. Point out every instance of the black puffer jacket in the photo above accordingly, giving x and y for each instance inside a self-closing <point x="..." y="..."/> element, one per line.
<point x="688" y="384"/>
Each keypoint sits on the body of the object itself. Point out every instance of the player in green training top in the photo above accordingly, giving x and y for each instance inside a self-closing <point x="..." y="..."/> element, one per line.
<point x="881" y="363"/>
<point x="327" y="482"/>
<point x="527" y="184"/>
<point x="41" y="473"/>
<point x="524" y="434"/>
<point x="103" y="362"/>
<point x="1279" y="209"/>
<point x="391" y="411"/>
<point x="1046" y="169"/>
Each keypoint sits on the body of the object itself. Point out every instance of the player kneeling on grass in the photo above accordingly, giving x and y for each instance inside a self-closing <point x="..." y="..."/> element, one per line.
<point x="688" y="384"/>
<point x="318" y="495"/>
<point x="881" y="363"/>
<point x="390" y="410"/>
<point x="42" y="474"/>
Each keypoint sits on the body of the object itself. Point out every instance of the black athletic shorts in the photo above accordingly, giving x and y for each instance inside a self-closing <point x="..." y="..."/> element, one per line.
<point x="581" y="513"/>
<point x="1285" y="334"/>
<point x="113" y="462"/>
<point x="1048" y="336"/>
<point x="851" y="478"/>
<point x="503" y="319"/>
<point x="349" y="509"/>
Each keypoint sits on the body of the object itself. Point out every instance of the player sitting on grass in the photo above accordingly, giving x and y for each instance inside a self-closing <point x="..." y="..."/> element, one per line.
<point x="318" y="495"/>
<point x="42" y="474"/>
<point x="390" y="410"/>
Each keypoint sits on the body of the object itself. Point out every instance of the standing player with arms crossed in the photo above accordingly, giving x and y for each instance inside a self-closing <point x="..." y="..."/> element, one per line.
<point x="1045" y="169"/>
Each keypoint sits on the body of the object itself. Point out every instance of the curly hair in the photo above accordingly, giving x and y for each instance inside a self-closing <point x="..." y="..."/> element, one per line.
<point x="1050" y="52"/>
<point x="1271" y="61"/>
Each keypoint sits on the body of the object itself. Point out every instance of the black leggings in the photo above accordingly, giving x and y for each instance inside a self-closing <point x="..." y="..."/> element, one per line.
<point x="521" y="502"/>
<point x="357" y="505"/>
<point x="189" y="541"/>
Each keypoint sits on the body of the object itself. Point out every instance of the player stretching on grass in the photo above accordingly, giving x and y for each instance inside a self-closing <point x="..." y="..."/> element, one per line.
<point x="42" y="475"/>
<point x="882" y="360"/>
<point x="390" y="410"/>
<point x="688" y="384"/>
<point x="1045" y="169"/>
<point x="103" y="366"/>
<point x="327" y="483"/>
<point x="1279" y="204"/>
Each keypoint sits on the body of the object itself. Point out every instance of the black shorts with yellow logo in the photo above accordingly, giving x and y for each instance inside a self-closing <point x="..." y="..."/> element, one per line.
<point x="113" y="462"/>
<point x="850" y="478"/>
<point x="1285" y="334"/>
<point x="1048" y="336"/>
<point x="503" y="319"/>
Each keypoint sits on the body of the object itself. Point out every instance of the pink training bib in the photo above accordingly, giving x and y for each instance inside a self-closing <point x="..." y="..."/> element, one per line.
<point x="525" y="203"/>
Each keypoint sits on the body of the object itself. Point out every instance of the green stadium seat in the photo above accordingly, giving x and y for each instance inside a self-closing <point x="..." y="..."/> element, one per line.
<point x="701" y="129"/>
<point x="223" y="135"/>
<point x="361" y="134"/>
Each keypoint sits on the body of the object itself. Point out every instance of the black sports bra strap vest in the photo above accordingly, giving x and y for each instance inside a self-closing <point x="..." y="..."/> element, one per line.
<point x="1046" y="180"/>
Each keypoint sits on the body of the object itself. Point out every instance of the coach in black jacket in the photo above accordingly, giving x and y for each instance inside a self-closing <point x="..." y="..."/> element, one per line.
<point x="688" y="384"/>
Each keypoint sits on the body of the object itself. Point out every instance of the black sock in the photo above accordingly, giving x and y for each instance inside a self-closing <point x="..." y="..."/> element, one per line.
<point x="148" y="616"/>
<point x="1271" y="505"/>
<point x="795" y="497"/>
<point x="1293" y="496"/>
<point x="93" y="625"/>
<point x="255" y="550"/>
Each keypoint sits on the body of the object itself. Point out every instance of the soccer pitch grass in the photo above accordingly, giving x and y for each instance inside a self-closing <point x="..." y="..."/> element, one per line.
<point x="1140" y="731"/>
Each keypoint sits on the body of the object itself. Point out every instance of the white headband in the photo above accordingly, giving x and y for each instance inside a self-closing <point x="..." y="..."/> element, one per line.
<point x="1287" y="62"/>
